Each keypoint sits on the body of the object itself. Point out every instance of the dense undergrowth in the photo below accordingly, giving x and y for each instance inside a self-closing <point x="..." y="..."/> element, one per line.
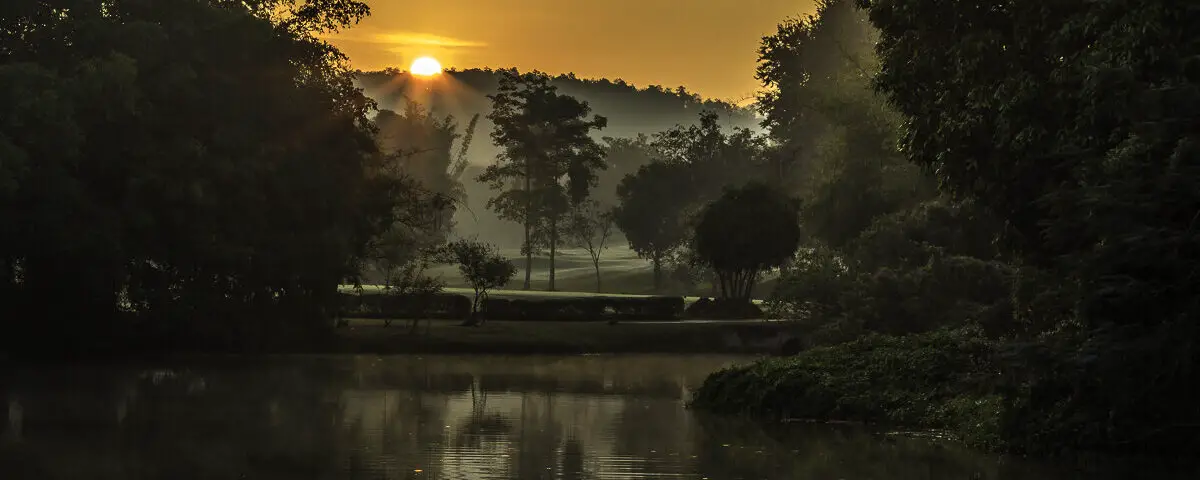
<point x="939" y="380"/>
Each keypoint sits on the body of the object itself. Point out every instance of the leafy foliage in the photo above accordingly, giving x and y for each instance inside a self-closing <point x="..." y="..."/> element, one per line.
<point x="1075" y="123"/>
<point x="653" y="211"/>
<point x="546" y="142"/>
<point x="691" y="166"/>
<point x="481" y="265"/>
<point x="746" y="231"/>
<point x="1063" y="135"/>
<point x="892" y="380"/>
<point x="199" y="161"/>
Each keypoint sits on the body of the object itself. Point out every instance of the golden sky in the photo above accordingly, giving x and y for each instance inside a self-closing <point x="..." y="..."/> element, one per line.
<point x="708" y="46"/>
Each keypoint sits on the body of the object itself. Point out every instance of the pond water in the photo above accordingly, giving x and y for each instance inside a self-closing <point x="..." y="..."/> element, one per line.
<point x="440" y="417"/>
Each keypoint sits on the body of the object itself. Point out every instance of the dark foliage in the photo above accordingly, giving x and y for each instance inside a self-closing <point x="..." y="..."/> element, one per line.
<point x="747" y="231"/>
<point x="1064" y="137"/>
<point x="584" y="309"/>
<point x="194" y="170"/>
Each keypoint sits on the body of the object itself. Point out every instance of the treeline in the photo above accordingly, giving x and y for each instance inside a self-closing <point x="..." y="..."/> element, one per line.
<point x="630" y="109"/>
<point x="1001" y="234"/>
<point x="197" y="173"/>
<point x="631" y="112"/>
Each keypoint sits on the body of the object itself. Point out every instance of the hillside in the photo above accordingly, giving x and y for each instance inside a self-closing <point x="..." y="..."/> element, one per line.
<point x="463" y="93"/>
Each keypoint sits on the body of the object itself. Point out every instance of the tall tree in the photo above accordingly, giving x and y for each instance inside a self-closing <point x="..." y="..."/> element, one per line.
<point x="653" y="214"/>
<point x="545" y="140"/>
<point x="201" y="163"/>
<point x="417" y="150"/>
<point x="837" y="138"/>
<point x="1075" y="122"/>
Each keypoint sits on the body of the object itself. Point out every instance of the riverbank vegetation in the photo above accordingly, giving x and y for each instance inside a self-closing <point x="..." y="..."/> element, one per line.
<point x="1041" y="299"/>
<point x="999" y="239"/>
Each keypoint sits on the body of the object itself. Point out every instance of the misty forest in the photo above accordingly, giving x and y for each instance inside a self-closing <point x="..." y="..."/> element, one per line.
<point x="977" y="218"/>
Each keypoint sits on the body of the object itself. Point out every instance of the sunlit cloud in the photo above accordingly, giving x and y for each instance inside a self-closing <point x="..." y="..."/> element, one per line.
<point x="401" y="40"/>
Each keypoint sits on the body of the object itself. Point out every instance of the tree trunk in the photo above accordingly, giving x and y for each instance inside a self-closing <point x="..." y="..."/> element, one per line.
<point x="553" y="246"/>
<point x="657" y="274"/>
<point x="750" y="285"/>
<point x="528" y="225"/>
<point x="596" y="264"/>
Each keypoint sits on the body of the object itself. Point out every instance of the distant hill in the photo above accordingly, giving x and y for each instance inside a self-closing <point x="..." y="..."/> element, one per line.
<point x="463" y="93"/>
<point x="630" y="110"/>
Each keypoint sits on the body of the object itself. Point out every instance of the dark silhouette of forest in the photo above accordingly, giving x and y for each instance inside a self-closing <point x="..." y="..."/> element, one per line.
<point x="982" y="217"/>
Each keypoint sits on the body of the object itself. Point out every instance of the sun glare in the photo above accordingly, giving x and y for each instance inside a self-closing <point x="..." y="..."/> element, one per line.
<point x="425" y="67"/>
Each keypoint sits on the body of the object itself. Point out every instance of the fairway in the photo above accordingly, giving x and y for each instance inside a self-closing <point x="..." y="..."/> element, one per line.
<point x="622" y="274"/>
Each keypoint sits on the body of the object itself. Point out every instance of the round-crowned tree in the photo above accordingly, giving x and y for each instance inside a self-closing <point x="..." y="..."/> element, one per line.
<point x="748" y="230"/>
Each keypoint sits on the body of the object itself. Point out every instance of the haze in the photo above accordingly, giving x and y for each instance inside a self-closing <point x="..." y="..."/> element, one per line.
<point x="708" y="47"/>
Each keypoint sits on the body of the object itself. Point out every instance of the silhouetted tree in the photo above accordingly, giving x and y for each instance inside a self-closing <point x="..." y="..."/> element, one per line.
<point x="623" y="157"/>
<point x="748" y="230"/>
<point x="1080" y="132"/>
<point x="481" y="266"/>
<point x="590" y="226"/>
<point x="544" y="136"/>
<point x="185" y="164"/>
<point x="417" y="149"/>
<point x="653" y="212"/>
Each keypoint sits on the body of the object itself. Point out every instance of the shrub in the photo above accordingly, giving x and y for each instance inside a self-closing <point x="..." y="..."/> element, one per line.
<point x="937" y="380"/>
<point x="584" y="309"/>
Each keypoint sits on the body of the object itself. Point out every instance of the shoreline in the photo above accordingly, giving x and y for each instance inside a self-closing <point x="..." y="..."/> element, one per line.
<point x="448" y="337"/>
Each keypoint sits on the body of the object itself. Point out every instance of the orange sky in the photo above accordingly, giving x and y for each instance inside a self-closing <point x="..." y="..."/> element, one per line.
<point x="708" y="46"/>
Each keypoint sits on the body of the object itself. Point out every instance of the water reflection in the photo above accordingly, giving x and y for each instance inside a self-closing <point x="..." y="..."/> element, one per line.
<point x="440" y="417"/>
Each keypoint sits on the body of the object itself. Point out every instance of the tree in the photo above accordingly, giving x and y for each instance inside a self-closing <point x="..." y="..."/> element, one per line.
<point x="1074" y="123"/>
<point x="483" y="268"/>
<point x="623" y="156"/>
<point x="157" y="196"/>
<point x="544" y="136"/>
<point x="418" y="154"/>
<point x="575" y="158"/>
<point x="837" y="137"/>
<point x="748" y="230"/>
<point x="653" y="212"/>
<point x="590" y="226"/>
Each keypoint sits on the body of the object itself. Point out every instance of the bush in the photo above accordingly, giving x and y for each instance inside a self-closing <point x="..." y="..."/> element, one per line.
<point x="724" y="309"/>
<point x="584" y="308"/>
<point x="406" y="306"/>
<point x="940" y="379"/>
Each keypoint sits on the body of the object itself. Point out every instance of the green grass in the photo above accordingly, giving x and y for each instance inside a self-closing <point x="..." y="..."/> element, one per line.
<point x="621" y="272"/>
<point x="441" y="336"/>
<point x="526" y="294"/>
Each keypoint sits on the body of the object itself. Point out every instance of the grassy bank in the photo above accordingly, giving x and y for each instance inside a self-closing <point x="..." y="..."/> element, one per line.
<point x="940" y="380"/>
<point x="443" y="336"/>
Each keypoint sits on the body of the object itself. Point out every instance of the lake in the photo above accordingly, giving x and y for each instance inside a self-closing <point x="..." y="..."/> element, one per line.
<point x="441" y="417"/>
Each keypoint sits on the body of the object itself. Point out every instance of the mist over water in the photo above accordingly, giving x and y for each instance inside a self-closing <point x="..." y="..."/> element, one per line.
<point x="437" y="417"/>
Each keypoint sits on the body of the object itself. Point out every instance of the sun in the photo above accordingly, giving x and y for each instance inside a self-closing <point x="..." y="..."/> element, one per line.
<point x="425" y="67"/>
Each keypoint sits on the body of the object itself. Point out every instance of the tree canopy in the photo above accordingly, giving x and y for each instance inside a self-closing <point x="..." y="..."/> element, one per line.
<point x="747" y="230"/>
<point x="187" y="159"/>
<point x="548" y="160"/>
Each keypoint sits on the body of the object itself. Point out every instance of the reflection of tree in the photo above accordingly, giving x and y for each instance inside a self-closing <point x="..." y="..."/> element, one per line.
<point x="539" y="437"/>
<point x="298" y="419"/>
<point x="572" y="460"/>
<point x="656" y="432"/>
<point x="480" y="424"/>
